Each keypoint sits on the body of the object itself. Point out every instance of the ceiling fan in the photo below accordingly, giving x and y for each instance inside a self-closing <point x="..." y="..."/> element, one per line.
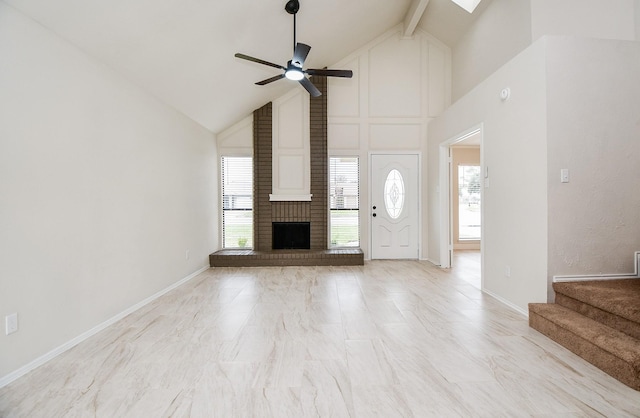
<point x="294" y="69"/>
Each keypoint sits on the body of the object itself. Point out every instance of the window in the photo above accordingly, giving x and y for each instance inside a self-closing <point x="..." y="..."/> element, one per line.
<point x="469" y="202"/>
<point x="237" y="202"/>
<point x="468" y="5"/>
<point x="394" y="194"/>
<point x="344" y="202"/>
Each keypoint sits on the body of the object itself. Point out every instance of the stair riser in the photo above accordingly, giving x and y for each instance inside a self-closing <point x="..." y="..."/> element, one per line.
<point x="604" y="360"/>
<point x="611" y="320"/>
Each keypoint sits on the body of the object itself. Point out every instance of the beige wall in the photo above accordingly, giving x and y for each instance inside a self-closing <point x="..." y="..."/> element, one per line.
<point x="507" y="27"/>
<point x="514" y="150"/>
<point x="103" y="190"/>
<point x="637" y="7"/>
<point x="462" y="155"/>
<point x="602" y="19"/>
<point x="499" y="34"/>
<point x="573" y="105"/>
<point x="594" y="131"/>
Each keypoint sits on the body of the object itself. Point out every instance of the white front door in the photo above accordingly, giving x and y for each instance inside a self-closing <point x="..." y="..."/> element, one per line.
<point x="394" y="206"/>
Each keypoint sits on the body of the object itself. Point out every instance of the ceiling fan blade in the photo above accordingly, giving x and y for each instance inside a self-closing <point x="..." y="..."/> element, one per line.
<point x="308" y="85"/>
<point x="259" y="61"/>
<point x="300" y="54"/>
<point x="330" y="73"/>
<point x="270" y="80"/>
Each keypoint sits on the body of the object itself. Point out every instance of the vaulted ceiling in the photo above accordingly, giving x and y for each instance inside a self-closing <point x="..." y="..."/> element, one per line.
<point x="182" y="51"/>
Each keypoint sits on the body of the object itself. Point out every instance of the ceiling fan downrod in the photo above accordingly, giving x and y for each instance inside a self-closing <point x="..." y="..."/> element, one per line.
<point x="292" y="8"/>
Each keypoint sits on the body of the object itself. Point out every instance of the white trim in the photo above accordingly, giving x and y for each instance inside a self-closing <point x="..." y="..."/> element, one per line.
<point x="507" y="303"/>
<point x="290" y="197"/>
<point x="446" y="228"/>
<point x="587" y="277"/>
<point x="5" y="380"/>
<point x="584" y="278"/>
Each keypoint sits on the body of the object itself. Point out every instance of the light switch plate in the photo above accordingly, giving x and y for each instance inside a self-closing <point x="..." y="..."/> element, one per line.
<point x="11" y="323"/>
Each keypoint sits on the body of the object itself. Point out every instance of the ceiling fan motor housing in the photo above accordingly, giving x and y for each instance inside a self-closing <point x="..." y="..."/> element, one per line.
<point x="292" y="7"/>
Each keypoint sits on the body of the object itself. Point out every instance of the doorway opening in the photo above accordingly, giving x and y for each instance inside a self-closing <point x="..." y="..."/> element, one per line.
<point x="462" y="182"/>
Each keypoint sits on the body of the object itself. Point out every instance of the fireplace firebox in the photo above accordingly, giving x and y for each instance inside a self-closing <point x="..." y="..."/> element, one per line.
<point x="291" y="235"/>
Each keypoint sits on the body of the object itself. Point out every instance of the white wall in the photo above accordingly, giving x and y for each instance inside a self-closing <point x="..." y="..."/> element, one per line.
<point x="290" y="147"/>
<point x="103" y="190"/>
<point x="507" y="27"/>
<point x="594" y="131"/>
<point x="603" y="19"/>
<point x="499" y="34"/>
<point x="573" y="105"/>
<point x="237" y="140"/>
<point x="382" y="111"/>
<point x="637" y="14"/>
<point x="515" y="201"/>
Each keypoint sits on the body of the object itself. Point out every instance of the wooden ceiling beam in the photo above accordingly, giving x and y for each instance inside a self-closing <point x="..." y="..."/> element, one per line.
<point x="413" y="16"/>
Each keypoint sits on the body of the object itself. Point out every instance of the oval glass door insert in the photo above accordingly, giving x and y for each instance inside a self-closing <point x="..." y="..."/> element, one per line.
<point x="394" y="193"/>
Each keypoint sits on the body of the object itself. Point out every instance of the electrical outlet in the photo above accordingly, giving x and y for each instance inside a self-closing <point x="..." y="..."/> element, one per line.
<point x="507" y="271"/>
<point x="11" y="323"/>
<point x="186" y="255"/>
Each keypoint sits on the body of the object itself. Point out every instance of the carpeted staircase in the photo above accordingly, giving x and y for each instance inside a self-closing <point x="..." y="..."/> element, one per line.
<point x="599" y="320"/>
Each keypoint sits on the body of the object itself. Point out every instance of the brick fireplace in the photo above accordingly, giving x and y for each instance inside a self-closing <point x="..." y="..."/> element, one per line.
<point x="315" y="211"/>
<point x="266" y="212"/>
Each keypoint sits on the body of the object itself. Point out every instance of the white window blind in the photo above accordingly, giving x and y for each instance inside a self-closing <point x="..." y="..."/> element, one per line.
<point x="344" y="201"/>
<point x="237" y="202"/>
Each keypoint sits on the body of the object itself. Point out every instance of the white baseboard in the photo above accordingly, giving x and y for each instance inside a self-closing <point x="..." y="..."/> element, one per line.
<point x="506" y="302"/>
<point x="437" y="264"/>
<point x="5" y="380"/>
<point x="587" y="277"/>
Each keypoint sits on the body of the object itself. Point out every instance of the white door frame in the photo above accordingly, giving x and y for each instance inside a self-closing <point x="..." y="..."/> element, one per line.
<point x="370" y="210"/>
<point x="446" y="211"/>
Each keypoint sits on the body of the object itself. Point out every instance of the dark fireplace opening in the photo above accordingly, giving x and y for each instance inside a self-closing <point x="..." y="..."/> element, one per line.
<point x="291" y="235"/>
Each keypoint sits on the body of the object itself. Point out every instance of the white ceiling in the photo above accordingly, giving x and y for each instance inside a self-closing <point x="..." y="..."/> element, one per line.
<point x="181" y="51"/>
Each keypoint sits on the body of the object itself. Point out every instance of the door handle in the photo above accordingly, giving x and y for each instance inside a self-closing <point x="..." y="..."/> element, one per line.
<point x="374" y="214"/>
<point x="374" y="208"/>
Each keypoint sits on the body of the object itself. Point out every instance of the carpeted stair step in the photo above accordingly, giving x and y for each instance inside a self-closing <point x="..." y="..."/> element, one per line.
<point x="612" y="351"/>
<point x="615" y="303"/>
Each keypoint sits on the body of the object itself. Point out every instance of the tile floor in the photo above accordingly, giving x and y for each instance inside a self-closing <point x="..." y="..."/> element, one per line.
<point x="388" y="339"/>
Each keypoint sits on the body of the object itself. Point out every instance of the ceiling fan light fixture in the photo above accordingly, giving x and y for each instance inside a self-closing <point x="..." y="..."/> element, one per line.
<point x="294" y="74"/>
